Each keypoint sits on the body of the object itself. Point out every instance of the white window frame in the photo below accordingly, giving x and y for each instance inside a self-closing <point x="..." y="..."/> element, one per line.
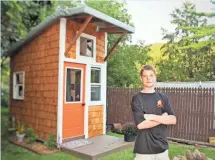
<point x="96" y="84"/>
<point x="81" y="89"/>
<point x="85" y="58"/>
<point x="15" y="85"/>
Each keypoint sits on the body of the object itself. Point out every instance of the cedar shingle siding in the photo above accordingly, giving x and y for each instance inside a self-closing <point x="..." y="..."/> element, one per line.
<point x="39" y="60"/>
<point x="95" y="121"/>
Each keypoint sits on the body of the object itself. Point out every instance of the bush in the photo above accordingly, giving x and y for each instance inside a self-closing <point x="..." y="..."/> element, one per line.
<point x="31" y="136"/>
<point x="51" y="143"/>
<point x="129" y="129"/>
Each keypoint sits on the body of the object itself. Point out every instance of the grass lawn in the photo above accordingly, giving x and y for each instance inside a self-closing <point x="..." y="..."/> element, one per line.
<point x="12" y="152"/>
<point x="174" y="150"/>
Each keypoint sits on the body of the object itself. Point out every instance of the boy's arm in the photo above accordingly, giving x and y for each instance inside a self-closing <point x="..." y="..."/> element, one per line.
<point x="167" y="120"/>
<point x="149" y="123"/>
<point x="138" y="115"/>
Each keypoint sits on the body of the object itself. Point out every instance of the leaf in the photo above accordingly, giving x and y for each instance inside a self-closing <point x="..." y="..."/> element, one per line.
<point x="10" y="15"/>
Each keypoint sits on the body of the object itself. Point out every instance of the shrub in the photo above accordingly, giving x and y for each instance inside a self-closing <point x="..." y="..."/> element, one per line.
<point x="51" y="143"/>
<point x="31" y="136"/>
<point x="129" y="129"/>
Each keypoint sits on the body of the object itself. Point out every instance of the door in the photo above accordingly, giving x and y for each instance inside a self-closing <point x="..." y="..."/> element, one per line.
<point x="74" y="100"/>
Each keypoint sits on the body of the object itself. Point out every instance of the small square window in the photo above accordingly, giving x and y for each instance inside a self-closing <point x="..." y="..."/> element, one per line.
<point x="18" y="85"/>
<point x="86" y="47"/>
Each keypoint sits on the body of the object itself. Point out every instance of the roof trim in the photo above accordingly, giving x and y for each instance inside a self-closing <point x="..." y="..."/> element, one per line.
<point x="66" y="13"/>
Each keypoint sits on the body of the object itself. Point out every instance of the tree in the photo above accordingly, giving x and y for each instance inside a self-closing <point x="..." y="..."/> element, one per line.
<point x="205" y="34"/>
<point x="124" y="65"/>
<point x="17" y="19"/>
<point x="185" y="63"/>
<point x="203" y="38"/>
<point x="156" y="54"/>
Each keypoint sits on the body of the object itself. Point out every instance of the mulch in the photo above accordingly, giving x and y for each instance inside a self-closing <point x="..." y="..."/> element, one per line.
<point x="37" y="147"/>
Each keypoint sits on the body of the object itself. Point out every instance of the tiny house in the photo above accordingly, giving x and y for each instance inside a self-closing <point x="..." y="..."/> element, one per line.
<point x="59" y="71"/>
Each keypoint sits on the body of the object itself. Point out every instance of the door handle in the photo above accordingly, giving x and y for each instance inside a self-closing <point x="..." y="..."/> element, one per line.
<point x="83" y="104"/>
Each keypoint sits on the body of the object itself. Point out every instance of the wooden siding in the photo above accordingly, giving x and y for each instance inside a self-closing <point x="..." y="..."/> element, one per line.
<point x="95" y="121"/>
<point x="39" y="60"/>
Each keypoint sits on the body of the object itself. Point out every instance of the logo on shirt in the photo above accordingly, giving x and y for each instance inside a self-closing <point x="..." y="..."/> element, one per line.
<point x="159" y="103"/>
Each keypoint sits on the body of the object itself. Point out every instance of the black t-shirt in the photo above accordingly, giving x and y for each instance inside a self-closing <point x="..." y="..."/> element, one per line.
<point x="152" y="140"/>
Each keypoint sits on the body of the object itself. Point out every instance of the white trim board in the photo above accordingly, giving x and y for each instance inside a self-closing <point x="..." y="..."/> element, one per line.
<point x="62" y="45"/>
<point x="104" y="74"/>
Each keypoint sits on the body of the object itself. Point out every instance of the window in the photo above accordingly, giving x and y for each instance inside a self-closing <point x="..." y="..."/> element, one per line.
<point x="95" y="84"/>
<point x="73" y="85"/>
<point x="86" y="47"/>
<point x="18" y="85"/>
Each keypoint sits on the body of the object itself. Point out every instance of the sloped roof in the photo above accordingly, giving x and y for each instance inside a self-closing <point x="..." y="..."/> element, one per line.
<point x="67" y="13"/>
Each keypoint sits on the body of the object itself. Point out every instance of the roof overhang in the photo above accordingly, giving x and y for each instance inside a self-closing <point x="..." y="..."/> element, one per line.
<point x="104" y="23"/>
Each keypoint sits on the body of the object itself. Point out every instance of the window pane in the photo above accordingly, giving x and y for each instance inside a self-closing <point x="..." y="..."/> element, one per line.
<point x="95" y="93"/>
<point x="86" y="47"/>
<point x="20" y="91"/>
<point x="95" y="75"/>
<point x="73" y="85"/>
<point x="19" y="78"/>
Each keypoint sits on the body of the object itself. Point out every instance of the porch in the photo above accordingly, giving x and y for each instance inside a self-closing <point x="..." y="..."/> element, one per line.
<point x="96" y="147"/>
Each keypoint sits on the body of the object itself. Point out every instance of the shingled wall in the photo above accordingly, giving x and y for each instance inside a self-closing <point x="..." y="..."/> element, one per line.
<point x="39" y="60"/>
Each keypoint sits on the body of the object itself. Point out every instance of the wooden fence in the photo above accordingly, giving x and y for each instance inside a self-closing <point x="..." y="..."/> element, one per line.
<point x="194" y="109"/>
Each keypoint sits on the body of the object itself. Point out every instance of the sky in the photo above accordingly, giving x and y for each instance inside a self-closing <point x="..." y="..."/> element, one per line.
<point x="158" y="12"/>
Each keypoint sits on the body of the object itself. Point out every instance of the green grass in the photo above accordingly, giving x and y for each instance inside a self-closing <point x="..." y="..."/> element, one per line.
<point x="12" y="152"/>
<point x="177" y="149"/>
<point x="115" y="134"/>
<point x="174" y="150"/>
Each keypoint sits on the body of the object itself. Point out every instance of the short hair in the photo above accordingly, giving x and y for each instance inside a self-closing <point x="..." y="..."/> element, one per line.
<point x="147" y="67"/>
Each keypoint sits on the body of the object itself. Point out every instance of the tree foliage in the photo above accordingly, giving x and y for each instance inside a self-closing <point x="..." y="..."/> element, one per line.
<point x="124" y="65"/>
<point x="19" y="17"/>
<point x="189" y="48"/>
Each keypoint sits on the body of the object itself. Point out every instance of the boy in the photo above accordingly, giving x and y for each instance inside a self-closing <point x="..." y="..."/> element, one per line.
<point x="152" y="113"/>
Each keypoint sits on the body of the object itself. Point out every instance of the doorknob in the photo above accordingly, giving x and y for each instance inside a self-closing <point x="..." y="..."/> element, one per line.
<point x="83" y="104"/>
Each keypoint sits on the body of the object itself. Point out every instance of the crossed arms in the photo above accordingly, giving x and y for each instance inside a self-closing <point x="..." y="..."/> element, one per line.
<point x="144" y="121"/>
<point x="152" y="120"/>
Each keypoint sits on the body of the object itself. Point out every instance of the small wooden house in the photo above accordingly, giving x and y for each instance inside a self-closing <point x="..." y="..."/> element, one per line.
<point x="59" y="71"/>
